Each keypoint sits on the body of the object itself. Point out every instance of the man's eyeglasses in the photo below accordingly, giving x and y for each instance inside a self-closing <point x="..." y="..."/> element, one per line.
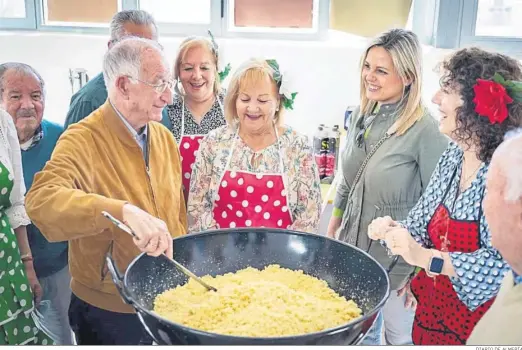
<point x="160" y="88"/>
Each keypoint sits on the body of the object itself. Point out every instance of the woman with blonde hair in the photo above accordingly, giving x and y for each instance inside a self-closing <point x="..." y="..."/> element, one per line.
<point x="393" y="145"/>
<point x="198" y="105"/>
<point x="255" y="171"/>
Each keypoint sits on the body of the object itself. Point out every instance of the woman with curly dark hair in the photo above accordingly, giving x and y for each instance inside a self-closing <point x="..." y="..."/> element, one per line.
<point x="446" y="234"/>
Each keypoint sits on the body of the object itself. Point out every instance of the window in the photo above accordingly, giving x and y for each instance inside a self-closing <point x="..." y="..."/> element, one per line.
<point x="272" y="14"/>
<point x="17" y="14"/>
<point x="12" y="9"/>
<point x="498" y="18"/>
<point x="490" y="24"/>
<point x="178" y="11"/>
<point x="277" y="19"/>
<point x="184" y="17"/>
<point x="79" y="13"/>
<point x="297" y="19"/>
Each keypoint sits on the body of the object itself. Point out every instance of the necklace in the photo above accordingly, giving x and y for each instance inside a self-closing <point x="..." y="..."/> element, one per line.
<point x="467" y="178"/>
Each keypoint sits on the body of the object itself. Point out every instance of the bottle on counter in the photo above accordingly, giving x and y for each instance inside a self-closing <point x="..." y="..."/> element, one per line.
<point x="320" y="148"/>
<point x="332" y="154"/>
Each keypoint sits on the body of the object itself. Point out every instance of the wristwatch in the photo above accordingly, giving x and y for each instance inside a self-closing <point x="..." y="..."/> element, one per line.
<point x="435" y="265"/>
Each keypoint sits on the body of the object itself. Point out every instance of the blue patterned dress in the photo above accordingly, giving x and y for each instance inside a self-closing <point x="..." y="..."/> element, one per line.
<point x="446" y="220"/>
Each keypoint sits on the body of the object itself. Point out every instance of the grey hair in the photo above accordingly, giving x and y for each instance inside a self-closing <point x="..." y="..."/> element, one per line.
<point x="512" y="164"/>
<point x="124" y="59"/>
<point x="19" y="68"/>
<point x="137" y="17"/>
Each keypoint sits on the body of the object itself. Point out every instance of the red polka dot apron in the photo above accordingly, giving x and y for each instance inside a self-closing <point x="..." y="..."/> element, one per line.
<point x="248" y="199"/>
<point x="441" y="318"/>
<point x="188" y="147"/>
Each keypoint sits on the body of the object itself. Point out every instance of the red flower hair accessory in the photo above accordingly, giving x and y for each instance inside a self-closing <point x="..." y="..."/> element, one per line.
<point x="493" y="96"/>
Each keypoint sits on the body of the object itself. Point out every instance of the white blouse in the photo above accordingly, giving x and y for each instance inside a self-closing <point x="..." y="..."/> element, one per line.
<point x="11" y="158"/>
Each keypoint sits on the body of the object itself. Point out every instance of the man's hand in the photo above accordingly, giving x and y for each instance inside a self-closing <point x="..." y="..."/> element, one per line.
<point x="153" y="236"/>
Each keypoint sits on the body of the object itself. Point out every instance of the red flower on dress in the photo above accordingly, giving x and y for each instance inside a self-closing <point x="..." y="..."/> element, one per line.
<point x="491" y="100"/>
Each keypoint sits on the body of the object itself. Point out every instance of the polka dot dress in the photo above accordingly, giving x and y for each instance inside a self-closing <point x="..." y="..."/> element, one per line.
<point x="252" y="199"/>
<point x="441" y="318"/>
<point x="189" y="134"/>
<point x="247" y="199"/>
<point x="188" y="149"/>
<point x="16" y="299"/>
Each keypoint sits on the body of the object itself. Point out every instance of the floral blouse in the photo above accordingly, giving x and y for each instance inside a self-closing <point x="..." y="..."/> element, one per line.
<point x="299" y="169"/>
<point x="213" y="119"/>
<point x="480" y="273"/>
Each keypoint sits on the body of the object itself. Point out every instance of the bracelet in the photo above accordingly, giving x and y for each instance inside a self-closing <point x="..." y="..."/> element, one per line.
<point x="26" y="257"/>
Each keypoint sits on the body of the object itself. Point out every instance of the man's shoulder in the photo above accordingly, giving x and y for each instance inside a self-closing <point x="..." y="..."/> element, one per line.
<point x="160" y="131"/>
<point x="52" y="126"/>
<point x="94" y="92"/>
<point x="495" y="327"/>
<point x="88" y="126"/>
<point x="51" y="131"/>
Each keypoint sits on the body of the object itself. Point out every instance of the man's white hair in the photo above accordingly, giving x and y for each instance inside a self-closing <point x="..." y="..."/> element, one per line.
<point x="124" y="59"/>
<point x="20" y="68"/>
<point x="511" y="164"/>
<point x="137" y="17"/>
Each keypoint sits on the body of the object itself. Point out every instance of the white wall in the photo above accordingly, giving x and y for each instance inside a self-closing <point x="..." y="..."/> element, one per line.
<point x="325" y="73"/>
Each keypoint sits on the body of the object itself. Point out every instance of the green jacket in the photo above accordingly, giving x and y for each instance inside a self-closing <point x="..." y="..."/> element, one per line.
<point x="394" y="179"/>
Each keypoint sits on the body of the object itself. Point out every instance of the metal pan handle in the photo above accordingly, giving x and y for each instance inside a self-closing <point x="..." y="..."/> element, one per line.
<point x="392" y="264"/>
<point x="359" y="339"/>
<point x="117" y="278"/>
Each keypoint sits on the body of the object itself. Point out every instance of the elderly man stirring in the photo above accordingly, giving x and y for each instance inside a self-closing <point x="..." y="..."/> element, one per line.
<point x="503" y="210"/>
<point x="119" y="160"/>
<point x="124" y="23"/>
<point x="23" y="97"/>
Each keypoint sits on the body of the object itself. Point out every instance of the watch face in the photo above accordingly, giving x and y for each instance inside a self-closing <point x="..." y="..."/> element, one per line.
<point x="436" y="264"/>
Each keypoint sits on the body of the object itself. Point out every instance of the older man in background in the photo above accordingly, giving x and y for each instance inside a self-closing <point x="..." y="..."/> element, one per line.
<point x="119" y="160"/>
<point x="91" y="96"/>
<point x="23" y="96"/>
<point x="503" y="210"/>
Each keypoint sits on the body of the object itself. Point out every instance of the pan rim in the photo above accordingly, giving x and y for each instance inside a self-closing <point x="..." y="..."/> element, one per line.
<point x="330" y="331"/>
